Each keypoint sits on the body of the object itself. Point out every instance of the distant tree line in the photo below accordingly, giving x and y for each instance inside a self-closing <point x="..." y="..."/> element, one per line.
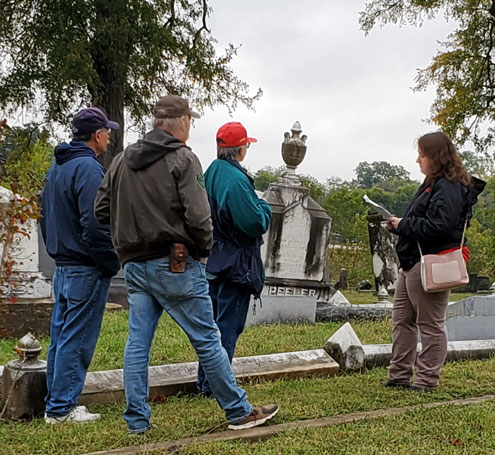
<point x="391" y="186"/>
<point x="27" y="152"/>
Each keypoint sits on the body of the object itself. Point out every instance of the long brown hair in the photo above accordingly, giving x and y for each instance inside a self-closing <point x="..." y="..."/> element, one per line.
<point x="445" y="161"/>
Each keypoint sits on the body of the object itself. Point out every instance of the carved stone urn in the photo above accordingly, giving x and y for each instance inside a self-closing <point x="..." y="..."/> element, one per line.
<point x="293" y="152"/>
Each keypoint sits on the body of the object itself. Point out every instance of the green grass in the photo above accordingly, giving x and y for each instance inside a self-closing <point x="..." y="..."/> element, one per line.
<point x="172" y="346"/>
<point x="300" y="399"/>
<point x="356" y="297"/>
<point x="443" y="431"/>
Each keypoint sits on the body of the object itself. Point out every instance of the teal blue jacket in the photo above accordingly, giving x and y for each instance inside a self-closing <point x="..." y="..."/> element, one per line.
<point x="240" y="218"/>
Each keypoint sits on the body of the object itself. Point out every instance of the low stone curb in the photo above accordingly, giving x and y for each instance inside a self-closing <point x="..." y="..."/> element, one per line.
<point x="260" y="433"/>
<point x="108" y="386"/>
<point x="327" y="312"/>
<point x="345" y="347"/>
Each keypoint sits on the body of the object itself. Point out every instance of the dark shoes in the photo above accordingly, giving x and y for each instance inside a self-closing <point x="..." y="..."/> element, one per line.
<point x="407" y="386"/>
<point x="416" y="388"/>
<point x="400" y="385"/>
<point x="206" y="394"/>
<point x="259" y="415"/>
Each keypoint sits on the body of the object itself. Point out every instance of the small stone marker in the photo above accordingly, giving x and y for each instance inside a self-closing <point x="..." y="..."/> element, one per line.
<point x="343" y="279"/>
<point x="24" y="381"/>
<point x="346" y="348"/>
<point x="339" y="299"/>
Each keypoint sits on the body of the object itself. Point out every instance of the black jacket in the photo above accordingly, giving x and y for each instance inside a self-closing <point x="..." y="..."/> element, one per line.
<point x="435" y="217"/>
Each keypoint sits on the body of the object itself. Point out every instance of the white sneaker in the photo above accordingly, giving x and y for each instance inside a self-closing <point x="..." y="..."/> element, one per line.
<point x="79" y="414"/>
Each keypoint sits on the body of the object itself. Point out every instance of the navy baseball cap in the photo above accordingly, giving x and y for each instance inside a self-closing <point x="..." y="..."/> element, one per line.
<point x="89" y="120"/>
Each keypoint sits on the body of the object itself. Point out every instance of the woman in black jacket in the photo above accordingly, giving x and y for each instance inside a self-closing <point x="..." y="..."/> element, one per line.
<point x="435" y="218"/>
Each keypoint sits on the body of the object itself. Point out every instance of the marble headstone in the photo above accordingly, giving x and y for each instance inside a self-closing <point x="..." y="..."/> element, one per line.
<point x="30" y="282"/>
<point x="295" y="252"/>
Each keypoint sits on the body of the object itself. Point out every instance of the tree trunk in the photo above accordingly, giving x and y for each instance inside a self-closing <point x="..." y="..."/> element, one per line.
<point x="110" y="60"/>
<point x="112" y="103"/>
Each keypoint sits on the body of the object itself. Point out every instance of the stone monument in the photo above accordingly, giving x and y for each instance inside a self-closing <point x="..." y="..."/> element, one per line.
<point x="295" y="252"/>
<point x="25" y="250"/>
<point x="27" y="295"/>
<point x="385" y="261"/>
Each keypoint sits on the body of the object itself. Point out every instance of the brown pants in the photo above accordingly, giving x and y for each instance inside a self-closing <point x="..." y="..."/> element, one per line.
<point x="415" y="309"/>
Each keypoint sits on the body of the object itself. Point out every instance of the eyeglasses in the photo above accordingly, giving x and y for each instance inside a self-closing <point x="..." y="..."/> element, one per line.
<point x="105" y="130"/>
<point x="248" y="144"/>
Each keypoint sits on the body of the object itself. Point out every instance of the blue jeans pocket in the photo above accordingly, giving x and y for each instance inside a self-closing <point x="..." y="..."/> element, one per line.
<point x="176" y="286"/>
<point x="80" y="285"/>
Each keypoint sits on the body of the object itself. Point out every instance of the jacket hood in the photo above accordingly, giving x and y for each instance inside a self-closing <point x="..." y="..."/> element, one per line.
<point x="151" y="148"/>
<point x="65" y="152"/>
<point x="476" y="188"/>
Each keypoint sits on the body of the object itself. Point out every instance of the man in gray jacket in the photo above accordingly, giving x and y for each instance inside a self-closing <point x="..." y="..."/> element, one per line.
<point x="154" y="199"/>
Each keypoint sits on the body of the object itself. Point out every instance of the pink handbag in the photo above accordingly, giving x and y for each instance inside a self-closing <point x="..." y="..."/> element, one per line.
<point x="440" y="272"/>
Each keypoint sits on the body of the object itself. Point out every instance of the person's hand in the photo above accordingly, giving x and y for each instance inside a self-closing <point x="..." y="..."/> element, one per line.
<point x="393" y="222"/>
<point x="203" y="260"/>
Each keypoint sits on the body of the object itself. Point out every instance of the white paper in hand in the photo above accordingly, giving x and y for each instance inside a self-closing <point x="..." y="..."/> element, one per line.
<point x="377" y="207"/>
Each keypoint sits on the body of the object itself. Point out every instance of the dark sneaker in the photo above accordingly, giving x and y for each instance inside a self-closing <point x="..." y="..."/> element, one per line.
<point x="141" y="431"/>
<point x="400" y="385"/>
<point x="259" y="415"/>
<point x="206" y="394"/>
<point x="416" y="388"/>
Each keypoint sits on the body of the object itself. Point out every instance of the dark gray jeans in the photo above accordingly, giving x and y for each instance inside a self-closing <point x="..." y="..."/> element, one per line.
<point x="416" y="311"/>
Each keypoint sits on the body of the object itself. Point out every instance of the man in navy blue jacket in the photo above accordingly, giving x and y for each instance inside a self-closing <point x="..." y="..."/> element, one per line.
<point x="85" y="259"/>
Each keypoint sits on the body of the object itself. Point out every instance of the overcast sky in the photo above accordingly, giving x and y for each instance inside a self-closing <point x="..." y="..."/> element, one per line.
<point x="350" y="92"/>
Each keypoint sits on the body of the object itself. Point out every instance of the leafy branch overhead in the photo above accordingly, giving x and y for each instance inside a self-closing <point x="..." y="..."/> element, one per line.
<point x="60" y="56"/>
<point x="463" y="71"/>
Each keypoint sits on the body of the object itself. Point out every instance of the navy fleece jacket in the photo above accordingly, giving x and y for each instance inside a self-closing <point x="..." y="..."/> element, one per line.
<point x="71" y="232"/>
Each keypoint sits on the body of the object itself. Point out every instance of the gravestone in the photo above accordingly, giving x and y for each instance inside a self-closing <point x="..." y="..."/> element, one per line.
<point x="286" y="310"/>
<point x="295" y="250"/>
<point x="28" y="281"/>
<point x="472" y="318"/>
<point x="385" y="261"/>
<point x="26" y="297"/>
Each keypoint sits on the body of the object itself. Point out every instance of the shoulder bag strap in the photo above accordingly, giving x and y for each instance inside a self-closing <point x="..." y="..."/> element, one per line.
<point x="462" y="239"/>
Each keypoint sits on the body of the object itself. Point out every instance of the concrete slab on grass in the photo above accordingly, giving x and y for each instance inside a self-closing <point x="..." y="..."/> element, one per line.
<point x="107" y="386"/>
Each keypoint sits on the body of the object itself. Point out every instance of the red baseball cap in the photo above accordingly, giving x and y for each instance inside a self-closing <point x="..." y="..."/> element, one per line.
<point x="233" y="134"/>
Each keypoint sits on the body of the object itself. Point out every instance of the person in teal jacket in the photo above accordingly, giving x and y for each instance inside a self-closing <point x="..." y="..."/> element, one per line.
<point x="240" y="218"/>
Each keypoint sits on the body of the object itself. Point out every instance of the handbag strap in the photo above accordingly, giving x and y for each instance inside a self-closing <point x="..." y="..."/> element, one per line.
<point x="462" y="239"/>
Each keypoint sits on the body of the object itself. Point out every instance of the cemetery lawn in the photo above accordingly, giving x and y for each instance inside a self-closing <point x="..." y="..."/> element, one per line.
<point x="445" y="430"/>
<point x="171" y="345"/>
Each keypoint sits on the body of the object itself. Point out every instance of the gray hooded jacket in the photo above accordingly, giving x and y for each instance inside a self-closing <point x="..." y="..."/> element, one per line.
<point x="153" y="195"/>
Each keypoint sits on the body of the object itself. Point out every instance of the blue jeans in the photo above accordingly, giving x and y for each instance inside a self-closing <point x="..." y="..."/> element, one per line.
<point x="184" y="296"/>
<point x="230" y="307"/>
<point x="80" y="296"/>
